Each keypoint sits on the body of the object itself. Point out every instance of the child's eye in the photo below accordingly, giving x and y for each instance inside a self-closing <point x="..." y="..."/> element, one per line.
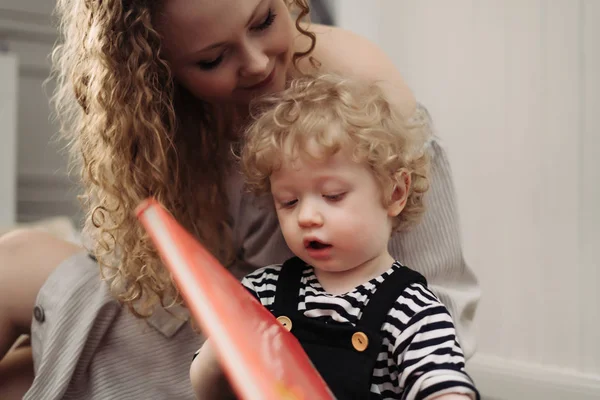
<point x="288" y="204"/>
<point x="267" y="22"/>
<point x="334" y="197"/>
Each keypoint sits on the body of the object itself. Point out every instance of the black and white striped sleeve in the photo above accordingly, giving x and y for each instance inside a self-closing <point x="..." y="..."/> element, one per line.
<point x="262" y="284"/>
<point x="250" y="288"/>
<point x="430" y="360"/>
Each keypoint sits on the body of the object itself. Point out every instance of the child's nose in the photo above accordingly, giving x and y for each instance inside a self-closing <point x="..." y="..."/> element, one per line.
<point x="309" y="215"/>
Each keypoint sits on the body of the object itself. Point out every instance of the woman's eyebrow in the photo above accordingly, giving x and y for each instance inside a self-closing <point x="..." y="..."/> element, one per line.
<point x="220" y="44"/>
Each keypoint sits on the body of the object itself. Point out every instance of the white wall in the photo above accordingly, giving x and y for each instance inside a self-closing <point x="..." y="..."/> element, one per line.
<point x="42" y="186"/>
<point x="8" y="138"/>
<point x="514" y="89"/>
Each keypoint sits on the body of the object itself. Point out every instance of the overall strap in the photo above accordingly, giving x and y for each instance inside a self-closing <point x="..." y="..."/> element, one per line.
<point x="288" y="285"/>
<point x="378" y="307"/>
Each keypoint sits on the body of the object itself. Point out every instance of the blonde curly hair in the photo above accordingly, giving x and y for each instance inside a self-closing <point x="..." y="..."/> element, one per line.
<point x="133" y="132"/>
<point x="336" y="114"/>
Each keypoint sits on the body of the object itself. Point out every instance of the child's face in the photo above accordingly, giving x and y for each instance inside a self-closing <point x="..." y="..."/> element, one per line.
<point x="331" y="213"/>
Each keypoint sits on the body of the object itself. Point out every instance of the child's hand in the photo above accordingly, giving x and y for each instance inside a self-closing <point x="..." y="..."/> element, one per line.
<point x="208" y="379"/>
<point x="453" y="396"/>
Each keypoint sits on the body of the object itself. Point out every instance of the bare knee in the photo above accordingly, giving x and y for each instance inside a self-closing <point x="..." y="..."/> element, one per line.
<point x="27" y="245"/>
<point x="27" y="258"/>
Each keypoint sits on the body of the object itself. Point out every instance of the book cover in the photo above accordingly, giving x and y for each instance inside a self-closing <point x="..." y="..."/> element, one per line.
<point x="262" y="360"/>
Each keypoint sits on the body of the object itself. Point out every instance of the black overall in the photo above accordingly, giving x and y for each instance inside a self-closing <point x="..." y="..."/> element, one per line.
<point x="332" y="347"/>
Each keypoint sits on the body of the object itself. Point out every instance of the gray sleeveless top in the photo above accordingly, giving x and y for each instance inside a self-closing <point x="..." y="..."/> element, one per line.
<point x="86" y="346"/>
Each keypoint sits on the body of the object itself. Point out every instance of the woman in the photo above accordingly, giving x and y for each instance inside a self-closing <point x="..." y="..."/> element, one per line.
<point x="152" y="94"/>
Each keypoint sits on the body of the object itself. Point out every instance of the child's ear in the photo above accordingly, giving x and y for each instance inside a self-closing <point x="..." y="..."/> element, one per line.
<point x="400" y="193"/>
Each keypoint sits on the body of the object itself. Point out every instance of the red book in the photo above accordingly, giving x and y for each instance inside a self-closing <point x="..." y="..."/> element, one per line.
<point x="262" y="360"/>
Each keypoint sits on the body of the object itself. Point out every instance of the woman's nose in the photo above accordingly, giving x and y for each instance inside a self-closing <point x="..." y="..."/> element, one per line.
<point x="255" y="63"/>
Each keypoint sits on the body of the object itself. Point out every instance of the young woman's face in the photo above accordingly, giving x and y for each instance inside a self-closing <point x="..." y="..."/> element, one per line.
<point x="227" y="51"/>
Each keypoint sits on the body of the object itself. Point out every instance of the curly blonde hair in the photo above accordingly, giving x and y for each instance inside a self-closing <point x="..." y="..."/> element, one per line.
<point x="133" y="132"/>
<point x="336" y="114"/>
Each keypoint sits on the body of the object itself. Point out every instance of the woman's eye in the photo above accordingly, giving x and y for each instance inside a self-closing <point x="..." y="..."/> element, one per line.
<point x="267" y="22"/>
<point x="334" y="197"/>
<point x="208" y="65"/>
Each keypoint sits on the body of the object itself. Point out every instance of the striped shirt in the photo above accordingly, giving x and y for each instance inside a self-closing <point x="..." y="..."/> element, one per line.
<point x="420" y="355"/>
<point x="88" y="347"/>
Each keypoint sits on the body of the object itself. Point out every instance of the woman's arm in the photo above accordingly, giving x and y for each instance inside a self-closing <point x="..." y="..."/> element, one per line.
<point x="433" y="248"/>
<point x="27" y="257"/>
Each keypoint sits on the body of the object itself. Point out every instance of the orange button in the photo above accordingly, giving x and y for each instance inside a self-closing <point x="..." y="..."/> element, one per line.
<point x="285" y="322"/>
<point x="360" y="341"/>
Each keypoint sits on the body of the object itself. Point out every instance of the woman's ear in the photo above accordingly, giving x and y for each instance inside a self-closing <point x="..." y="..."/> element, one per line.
<point x="400" y="193"/>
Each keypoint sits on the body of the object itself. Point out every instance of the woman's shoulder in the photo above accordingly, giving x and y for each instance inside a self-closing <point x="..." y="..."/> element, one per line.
<point x="346" y="53"/>
<point x="84" y="335"/>
<point x="71" y="300"/>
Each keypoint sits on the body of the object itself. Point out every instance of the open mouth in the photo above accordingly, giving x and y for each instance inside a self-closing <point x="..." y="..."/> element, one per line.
<point x="316" y="245"/>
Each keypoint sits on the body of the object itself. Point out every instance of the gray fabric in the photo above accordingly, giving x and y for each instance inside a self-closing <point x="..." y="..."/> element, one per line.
<point x="88" y="347"/>
<point x="433" y="248"/>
